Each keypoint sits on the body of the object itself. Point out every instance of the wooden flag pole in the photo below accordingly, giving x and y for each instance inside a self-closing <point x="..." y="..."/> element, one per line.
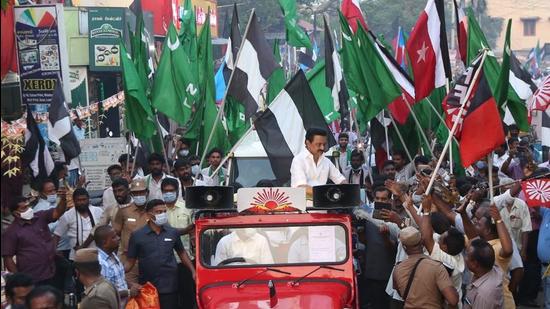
<point x="422" y="134"/>
<point x="455" y="124"/>
<point x="490" y="170"/>
<point x="220" y="110"/>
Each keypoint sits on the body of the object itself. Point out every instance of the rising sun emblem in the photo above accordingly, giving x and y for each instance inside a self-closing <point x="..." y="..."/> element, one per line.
<point x="271" y="200"/>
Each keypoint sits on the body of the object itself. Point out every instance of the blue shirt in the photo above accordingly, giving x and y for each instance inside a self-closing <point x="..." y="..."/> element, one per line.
<point x="543" y="248"/>
<point x="155" y="253"/>
<point x="112" y="269"/>
<point x="64" y="243"/>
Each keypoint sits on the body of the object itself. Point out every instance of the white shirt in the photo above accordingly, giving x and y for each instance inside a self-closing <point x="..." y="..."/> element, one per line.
<point x="108" y="198"/>
<point x="498" y="161"/>
<point x="154" y="186"/>
<point x="517" y="218"/>
<point x="356" y="177"/>
<point x="76" y="227"/>
<point x="405" y="173"/>
<point x="304" y="171"/>
<point x="456" y="262"/>
<point x="254" y="250"/>
<point x="214" y="180"/>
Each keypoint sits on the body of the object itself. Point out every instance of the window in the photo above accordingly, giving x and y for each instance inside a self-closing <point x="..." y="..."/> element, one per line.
<point x="529" y="26"/>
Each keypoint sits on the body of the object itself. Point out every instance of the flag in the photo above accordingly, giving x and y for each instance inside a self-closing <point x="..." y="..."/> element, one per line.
<point x="188" y="35"/>
<point x="334" y="78"/>
<point x="400" y="107"/>
<point x="220" y="83"/>
<point x="399" y="49"/>
<point x="295" y="35"/>
<point x="36" y="154"/>
<point x="273" y="299"/>
<point x="323" y="94"/>
<point x="545" y="128"/>
<point x="491" y="70"/>
<point x="479" y="129"/>
<point x="537" y="192"/>
<point x="532" y="65"/>
<point x="60" y="129"/>
<point x="205" y="116"/>
<point x="501" y="91"/>
<point x="175" y="89"/>
<point x="350" y="59"/>
<point x="351" y="10"/>
<point x="140" y="51"/>
<point x="381" y="88"/>
<point x="541" y="98"/>
<point x="428" y="52"/>
<point x="282" y="126"/>
<point x="277" y="80"/>
<point x="233" y="43"/>
<point x="520" y="80"/>
<point x="461" y="32"/>
<point x="139" y="117"/>
<point x="253" y="68"/>
<point x="305" y="59"/>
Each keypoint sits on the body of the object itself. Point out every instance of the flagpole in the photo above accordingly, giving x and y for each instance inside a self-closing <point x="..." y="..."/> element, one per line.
<point x="222" y="105"/>
<point x="402" y="140"/>
<point x="455" y="124"/>
<point x="159" y="131"/>
<point x="422" y="134"/>
<point x="370" y="167"/>
<point x="134" y="161"/>
<point x="440" y="118"/>
<point x="386" y="136"/>
<point x="490" y="167"/>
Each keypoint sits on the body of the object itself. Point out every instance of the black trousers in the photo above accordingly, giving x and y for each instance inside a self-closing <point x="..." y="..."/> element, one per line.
<point x="375" y="294"/>
<point x="530" y="284"/>
<point x="186" y="288"/>
<point x="169" y="301"/>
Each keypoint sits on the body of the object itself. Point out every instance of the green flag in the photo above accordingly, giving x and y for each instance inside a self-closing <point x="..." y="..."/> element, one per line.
<point x="295" y="35"/>
<point x="491" y="67"/>
<point x="188" y="35"/>
<point x="175" y="87"/>
<point x="138" y="114"/>
<point x="276" y="81"/>
<point x="235" y="119"/>
<point x="352" y="72"/>
<point x="381" y="86"/>
<point x="501" y="91"/>
<point x="323" y="94"/>
<point x="206" y="111"/>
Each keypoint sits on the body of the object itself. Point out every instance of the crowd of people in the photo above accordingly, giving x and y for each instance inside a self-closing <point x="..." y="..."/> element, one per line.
<point x="453" y="246"/>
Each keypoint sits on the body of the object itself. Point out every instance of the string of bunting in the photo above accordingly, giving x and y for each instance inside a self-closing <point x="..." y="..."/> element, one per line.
<point x="17" y="127"/>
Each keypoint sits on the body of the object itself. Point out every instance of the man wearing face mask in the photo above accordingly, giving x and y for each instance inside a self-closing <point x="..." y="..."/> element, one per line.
<point x="356" y="172"/>
<point x="29" y="241"/>
<point x="156" y="162"/>
<point x="78" y="222"/>
<point x="183" y="149"/>
<point x="153" y="246"/>
<point x="48" y="200"/>
<point x="129" y="218"/>
<point x="245" y="243"/>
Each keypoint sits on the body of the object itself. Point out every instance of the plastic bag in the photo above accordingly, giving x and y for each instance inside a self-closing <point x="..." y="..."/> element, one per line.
<point x="148" y="298"/>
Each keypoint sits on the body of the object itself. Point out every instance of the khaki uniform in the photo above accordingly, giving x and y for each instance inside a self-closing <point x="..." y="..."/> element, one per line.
<point x="102" y="294"/>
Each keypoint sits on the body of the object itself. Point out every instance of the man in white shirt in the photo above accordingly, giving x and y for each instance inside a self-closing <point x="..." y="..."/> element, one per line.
<point x="153" y="181"/>
<point x="214" y="159"/>
<point x="245" y="243"/>
<point x="310" y="167"/>
<point x="78" y="222"/>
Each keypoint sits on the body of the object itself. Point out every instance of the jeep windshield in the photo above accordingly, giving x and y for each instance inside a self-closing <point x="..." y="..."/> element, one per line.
<point x="274" y="245"/>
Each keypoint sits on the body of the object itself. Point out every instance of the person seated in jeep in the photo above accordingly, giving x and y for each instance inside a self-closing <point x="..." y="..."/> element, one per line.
<point x="243" y="245"/>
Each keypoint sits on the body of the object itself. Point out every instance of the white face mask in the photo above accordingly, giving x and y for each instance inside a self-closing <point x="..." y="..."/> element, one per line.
<point x="161" y="219"/>
<point x="183" y="152"/>
<point x="27" y="214"/>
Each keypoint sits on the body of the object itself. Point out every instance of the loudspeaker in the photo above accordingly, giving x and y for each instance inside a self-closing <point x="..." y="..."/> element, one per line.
<point x="202" y="197"/>
<point x="336" y="196"/>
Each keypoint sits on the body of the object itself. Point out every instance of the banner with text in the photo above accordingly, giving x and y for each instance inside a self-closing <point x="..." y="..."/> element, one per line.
<point x="106" y="26"/>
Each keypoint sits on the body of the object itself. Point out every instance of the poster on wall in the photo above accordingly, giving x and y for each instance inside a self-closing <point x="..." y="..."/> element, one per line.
<point x="42" y="56"/>
<point x="106" y="26"/>
<point x="96" y="156"/>
<point x="78" y="83"/>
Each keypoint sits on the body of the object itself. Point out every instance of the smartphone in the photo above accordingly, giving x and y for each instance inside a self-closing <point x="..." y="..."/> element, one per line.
<point x="378" y="206"/>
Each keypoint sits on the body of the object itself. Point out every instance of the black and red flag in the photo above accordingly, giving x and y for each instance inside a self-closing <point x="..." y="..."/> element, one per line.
<point x="461" y="32"/>
<point x="479" y="129"/>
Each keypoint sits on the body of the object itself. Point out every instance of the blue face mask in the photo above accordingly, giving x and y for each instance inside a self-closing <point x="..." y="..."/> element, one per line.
<point x="169" y="197"/>
<point x="140" y="200"/>
<point x="161" y="219"/>
<point x="52" y="198"/>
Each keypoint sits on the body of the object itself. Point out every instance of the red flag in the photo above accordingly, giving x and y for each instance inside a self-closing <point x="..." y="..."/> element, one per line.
<point x="479" y="129"/>
<point x="462" y="32"/>
<point x="537" y="192"/>
<point x="9" y="59"/>
<point x="426" y="53"/>
<point x="352" y="11"/>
